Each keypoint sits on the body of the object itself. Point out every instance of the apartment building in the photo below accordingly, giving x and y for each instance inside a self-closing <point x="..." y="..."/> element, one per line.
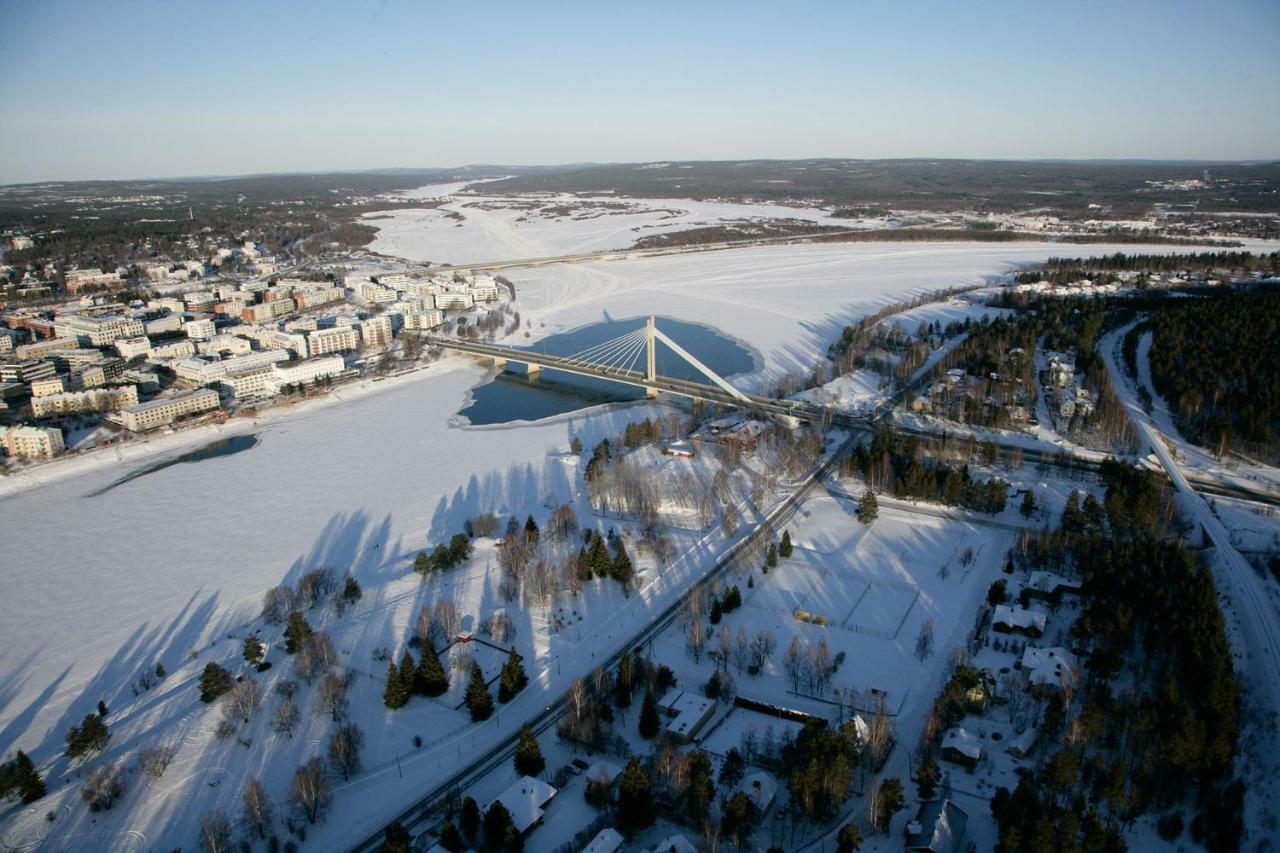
<point x="308" y="372"/>
<point x="162" y="325"/>
<point x="327" y="341"/>
<point x="98" y="331"/>
<point x="78" y="402"/>
<point x="47" y="386"/>
<point x="248" y="383"/>
<point x="313" y="297"/>
<point x="265" y="312"/>
<point x="78" y="279"/>
<point x="131" y="348"/>
<point x="162" y="412"/>
<point x="199" y="330"/>
<point x="484" y="288"/>
<point x="423" y="319"/>
<point x="27" y="370"/>
<point x="376" y="332"/>
<point x="455" y="300"/>
<point x="39" y="349"/>
<point x="177" y="349"/>
<point x="29" y="442"/>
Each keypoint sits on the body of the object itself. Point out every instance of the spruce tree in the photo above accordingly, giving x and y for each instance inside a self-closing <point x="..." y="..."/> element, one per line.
<point x="393" y="694"/>
<point x="771" y="556"/>
<point x="868" y="508"/>
<point x="214" y="681"/>
<point x="512" y="679"/>
<point x="351" y="591"/>
<point x="784" y="550"/>
<point x="422" y="564"/>
<point x="621" y="566"/>
<point x="296" y="632"/>
<point x="253" y="650"/>
<point x="430" y="678"/>
<point x="451" y="838"/>
<point x="649" y="722"/>
<point x="90" y="736"/>
<point x="469" y="818"/>
<point x="716" y="612"/>
<point x="30" y="785"/>
<point x="635" y="797"/>
<point x="1028" y="507"/>
<point x="408" y="675"/>
<point x="598" y="556"/>
<point x="479" y="701"/>
<point x="531" y="529"/>
<point x="529" y="760"/>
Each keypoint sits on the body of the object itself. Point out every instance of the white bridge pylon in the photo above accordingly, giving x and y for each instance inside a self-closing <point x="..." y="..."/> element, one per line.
<point x="620" y="355"/>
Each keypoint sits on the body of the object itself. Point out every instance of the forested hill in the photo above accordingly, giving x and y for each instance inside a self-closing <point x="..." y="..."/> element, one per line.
<point x="1215" y="361"/>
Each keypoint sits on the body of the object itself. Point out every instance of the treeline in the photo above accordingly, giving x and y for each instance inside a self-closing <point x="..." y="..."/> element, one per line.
<point x="1214" y="362"/>
<point x="849" y="351"/>
<point x="898" y="465"/>
<point x="1150" y="621"/>
<point x="1120" y="262"/>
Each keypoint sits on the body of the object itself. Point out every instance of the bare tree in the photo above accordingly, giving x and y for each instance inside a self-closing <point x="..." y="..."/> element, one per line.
<point x="154" y="760"/>
<point x="924" y="642"/>
<point x="104" y="785"/>
<point x="276" y="604"/>
<point x="286" y="718"/>
<point x="309" y="790"/>
<point x="344" y="750"/>
<point x="257" y="807"/>
<point x="215" y="833"/>
<point x="697" y="636"/>
<point x="242" y="700"/>
<point x="439" y="624"/>
<point x="741" y="650"/>
<point x="331" y="695"/>
<point x="316" y="655"/>
<point x="763" y="644"/>
<point x="578" y="695"/>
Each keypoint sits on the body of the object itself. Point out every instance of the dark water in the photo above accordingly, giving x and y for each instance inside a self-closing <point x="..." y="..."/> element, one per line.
<point x="511" y="397"/>
<point x="221" y="447"/>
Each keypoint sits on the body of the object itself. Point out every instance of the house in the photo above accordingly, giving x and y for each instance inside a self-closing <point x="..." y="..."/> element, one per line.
<point x="691" y="712"/>
<point x="1021" y="746"/>
<point x="606" y="841"/>
<point x="1047" y="585"/>
<point x="1049" y="669"/>
<point x="761" y="788"/>
<point x="961" y="747"/>
<point x="675" y="844"/>
<point x="682" y="449"/>
<point x="525" y="800"/>
<point x="938" y="828"/>
<point x="1016" y="620"/>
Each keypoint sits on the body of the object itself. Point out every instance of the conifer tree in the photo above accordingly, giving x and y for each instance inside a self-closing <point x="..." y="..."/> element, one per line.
<point x="469" y="818"/>
<point x="479" y="701"/>
<point x="30" y="785"/>
<point x="784" y="550"/>
<point x="393" y="694"/>
<point x="296" y="632"/>
<point x="351" y="591"/>
<point x="649" y="722"/>
<point x="408" y="675"/>
<point x="583" y="566"/>
<point x="90" y="736"/>
<point x="621" y="567"/>
<point x="622" y="685"/>
<point x="716" y="612"/>
<point x="635" y="797"/>
<point x="214" y="681"/>
<point x="868" y="508"/>
<point x="430" y="678"/>
<point x="512" y="678"/>
<point x="253" y="650"/>
<point x="422" y="564"/>
<point x="529" y="760"/>
<point x="531" y="529"/>
<point x="771" y="556"/>
<point x="598" y="555"/>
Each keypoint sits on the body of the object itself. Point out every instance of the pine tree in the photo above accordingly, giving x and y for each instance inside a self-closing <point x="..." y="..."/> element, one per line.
<point x="393" y="694"/>
<point x="649" y="722"/>
<point x="850" y="839"/>
<point x="351" y="591"/>
<point x="771" y="556"/>
<point x="529" y="760"/>
<point x="90" y="736"/>
<point x="583" y="566"/>
<point x="30" y="785"/>
<point x="621" y="568"/>
<point x="408" y="675"/>
<point x="422" y="564"/>
<point x="512" y="679"/>
<point x="214" y="681"/>
<point x="479" y="702"/>
<point x="531" y="529"/>
<point x="635" y="797"/>
<point x="575" y="444"/>
<point x="892" y="800"/>
<point x="253" y="650"/>
<point x="296" y="632"/>
<point x="868" y="508"/>
<point x="430" y="678"/>
<point x="1028" y="507"/>
<point x="716" y="612"/>
<point x="784" y="550"/>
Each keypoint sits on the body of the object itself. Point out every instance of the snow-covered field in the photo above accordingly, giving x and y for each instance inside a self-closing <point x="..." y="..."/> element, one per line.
<point x="100" y="587"/>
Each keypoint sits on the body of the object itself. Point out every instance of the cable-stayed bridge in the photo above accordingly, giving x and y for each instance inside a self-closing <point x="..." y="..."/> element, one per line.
<point x="630" y="359"/>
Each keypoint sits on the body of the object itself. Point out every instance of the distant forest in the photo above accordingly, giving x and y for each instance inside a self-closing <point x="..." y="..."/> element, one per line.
<point x="1214" y="361"/>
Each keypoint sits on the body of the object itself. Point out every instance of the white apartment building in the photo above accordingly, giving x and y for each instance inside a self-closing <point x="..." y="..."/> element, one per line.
<point x="98" y="331"/>
<point x="455" y="300"/>
<point x="160" y="325"/>
<point x="202" y="371"/>
<point x="376" y="332"/>
<point x="484" y="288"/>
<point x="199" y="330"/>
<point x="131" y="348"/>
<point x="78" y="402"/>
<point x="307" y="372"/>
<point x="77" y="279"/>
<point x="338" y="339"/>
<point x="27" y="370"/>
<point x="249" y="383"/>
<point x="165" y="411"/>
<point x="224" y="344"/>
<point x="48" y="385"/>
<point x="423" y="320"/>
<point x="39" y="349"/>
<point x="28" y="442"/>
<point x="375" y="293"/>
<point x="177" y="349"/>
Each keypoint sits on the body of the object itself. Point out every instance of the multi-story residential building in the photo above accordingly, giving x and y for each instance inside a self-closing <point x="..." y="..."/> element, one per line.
<point x="455" y="300"/>
<point x="326" y="341"/>
<point x="99" y="374"/>
<point x="199" y="330"/>
<point x="249" y="382"/>
<point x="232" y="344"/>
<point x="51" y="385"/>
<point x="177" y="349"/>
<point x="423" y="319"/>
<point x="98" y="331"/>
<point x="131" y="348"/>
<point x="70" y="359"/>
<point x="199" y="301"/>
<point x="78" y="402"/>
<point x="78" y="279"/>
<point x="164" y="411"/>
<point x="29" y="442"/>
<point x="163" y="325"/>
<point x="8" y="339"/>
<point x="202" y="370"/>
<point x="484" y="288"/>
<point x="39" y="349"/>
<point x="375" y="293"/>
<point x="266" y="311"/>
<point x="312" y="297"/>
<point x="27" y="370"/>
<point x="308" y="372"/>
<point x="376" y="332"/>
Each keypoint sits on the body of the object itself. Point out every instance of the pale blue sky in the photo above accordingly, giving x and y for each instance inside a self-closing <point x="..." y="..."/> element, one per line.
<point x="142" y="89"/>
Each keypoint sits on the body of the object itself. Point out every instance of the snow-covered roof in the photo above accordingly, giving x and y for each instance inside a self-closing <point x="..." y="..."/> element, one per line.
<point x="1016" y="617"/>
<point x="675" y="844"/>
<point x="963" y="742"/>
<point x="1048" y="582"/>
<point x="1048" y="666"/>
<point x="761" y="788"/>
<point x="603" y="771"/>
<point x="525" y="800"/>
<point x="606" y="841"/>
<point x="688" y="708"/>
<point x="1022" y="744"/>
<point x="938" y="827"/>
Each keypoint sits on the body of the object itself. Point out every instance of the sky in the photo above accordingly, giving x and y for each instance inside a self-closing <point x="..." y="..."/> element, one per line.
<point x="133" y="89"/>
